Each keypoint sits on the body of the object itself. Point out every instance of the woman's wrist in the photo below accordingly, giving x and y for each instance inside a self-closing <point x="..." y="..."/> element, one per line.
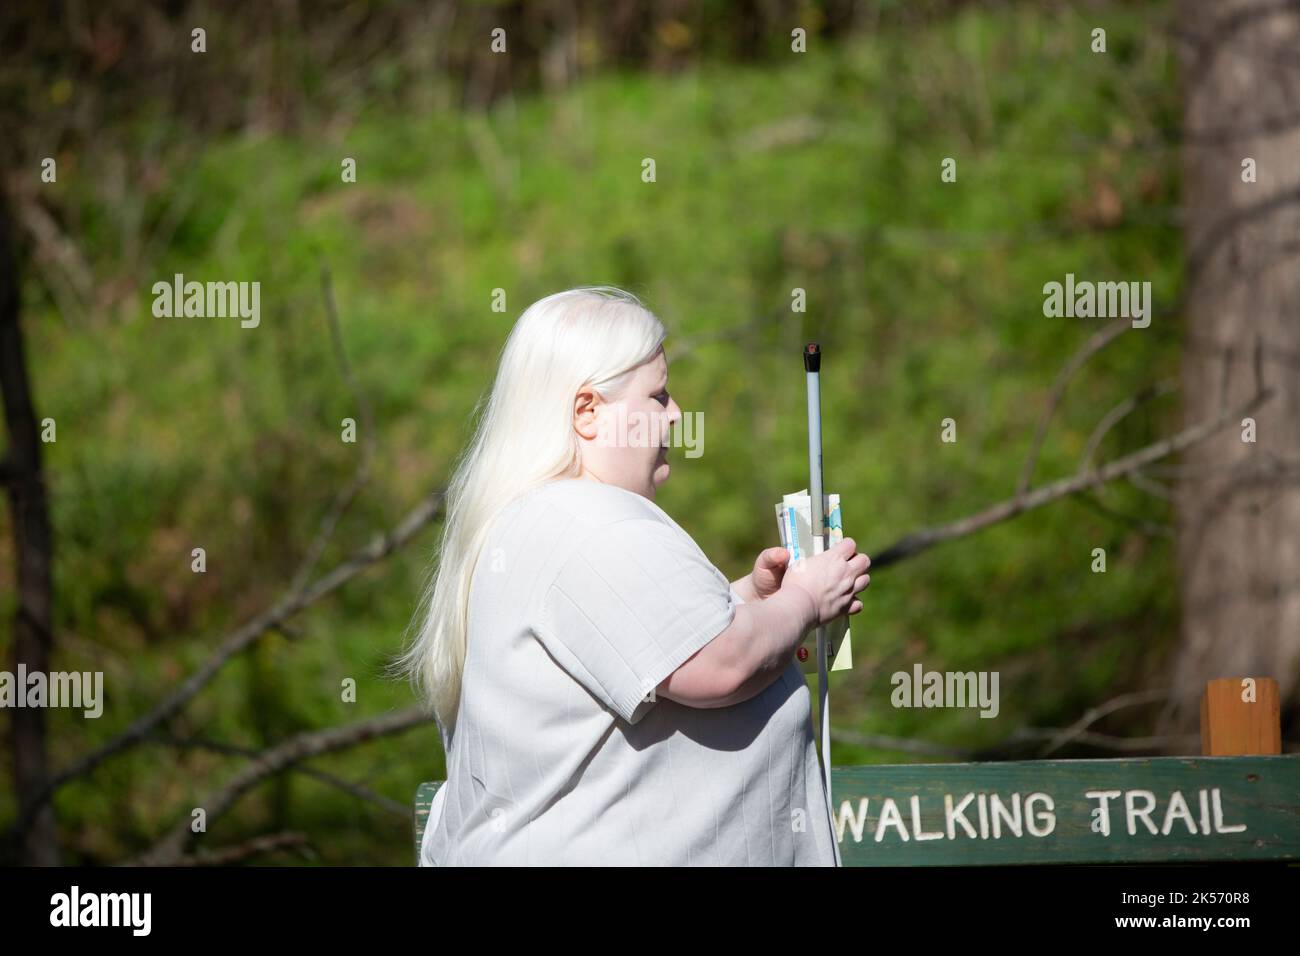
<point x="801" y="604"/>
<point x="745" y="588"/>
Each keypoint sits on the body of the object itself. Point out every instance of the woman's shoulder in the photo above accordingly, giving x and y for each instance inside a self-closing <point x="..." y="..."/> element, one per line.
<point x="561" y="517"/>
<point x="592" y="503"/>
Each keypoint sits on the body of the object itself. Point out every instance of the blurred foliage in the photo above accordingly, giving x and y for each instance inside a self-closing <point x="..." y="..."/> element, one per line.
<point x="774" y="172"/>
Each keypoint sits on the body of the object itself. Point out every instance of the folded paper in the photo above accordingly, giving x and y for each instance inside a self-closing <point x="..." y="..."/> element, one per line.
<point x="794" y="522"/>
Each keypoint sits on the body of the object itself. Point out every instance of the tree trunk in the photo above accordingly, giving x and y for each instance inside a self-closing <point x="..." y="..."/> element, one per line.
<point x="21" y="471"/>
<point x="1239" y="502"/>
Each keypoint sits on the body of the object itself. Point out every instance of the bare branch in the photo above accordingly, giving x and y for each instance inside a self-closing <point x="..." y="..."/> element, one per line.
<point x="1094" y="714"/>
<point x="919" y="541"/>
<point x="1016" y="743"/>
<point x="1056" y="738"/>
<point x="172" y="847"/>
<point x="236" y="641"/>
<point x="1118" y="413"/>
<point x="72" y="282"/>
<point x="226" y="856"/>
<point x="1143" y="482"/>
<point x="1143" y="525"/>
<point x="1269" y="465"/>
<point x="1094" y="344"/>
<point x="353" y="789"/>
<point x="298" y="596"/>
<point x="907" y="745"/>
<point x="343" y="500"/>
<point x="1139" y="745"/>
<point x="1112" y="418"/>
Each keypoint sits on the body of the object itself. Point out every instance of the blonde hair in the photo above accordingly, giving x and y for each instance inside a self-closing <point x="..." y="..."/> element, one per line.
<point x="591" y="335"/>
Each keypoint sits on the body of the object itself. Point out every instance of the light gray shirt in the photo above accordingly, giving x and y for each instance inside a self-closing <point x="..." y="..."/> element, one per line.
<point x="584" y="598"/>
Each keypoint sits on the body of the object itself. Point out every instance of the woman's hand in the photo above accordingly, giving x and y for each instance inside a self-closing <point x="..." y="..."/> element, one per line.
<point x="830" y="580"/>
<point x="769" y="569"/>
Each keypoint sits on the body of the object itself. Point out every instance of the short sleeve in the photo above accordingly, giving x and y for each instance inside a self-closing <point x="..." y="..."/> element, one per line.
<point x="630" y="605"/>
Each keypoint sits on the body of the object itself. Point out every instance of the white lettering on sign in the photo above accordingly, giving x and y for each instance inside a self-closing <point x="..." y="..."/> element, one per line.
<point x="987" y="816"/>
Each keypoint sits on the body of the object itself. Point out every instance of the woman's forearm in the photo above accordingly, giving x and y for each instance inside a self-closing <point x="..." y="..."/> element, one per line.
<point x="762" y="638"/>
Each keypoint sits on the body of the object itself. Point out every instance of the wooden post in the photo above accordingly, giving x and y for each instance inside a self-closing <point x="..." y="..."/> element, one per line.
<point x="1240" y="715"/>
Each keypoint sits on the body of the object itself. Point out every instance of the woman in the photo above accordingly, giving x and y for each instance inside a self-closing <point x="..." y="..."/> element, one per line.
<point x="604" y="696"/>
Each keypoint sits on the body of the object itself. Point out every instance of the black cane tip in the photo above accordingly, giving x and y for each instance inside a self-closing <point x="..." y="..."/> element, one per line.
<point x="812" y="357"/>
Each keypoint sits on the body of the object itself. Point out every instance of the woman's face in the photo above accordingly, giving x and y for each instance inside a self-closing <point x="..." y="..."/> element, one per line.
<point x="625" y="442"/>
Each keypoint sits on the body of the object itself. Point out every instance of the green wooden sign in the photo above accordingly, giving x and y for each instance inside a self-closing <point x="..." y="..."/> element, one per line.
<point x="1154" y="810"/>
<point x="423" y="800"/>
<point x="1160" y="809"/>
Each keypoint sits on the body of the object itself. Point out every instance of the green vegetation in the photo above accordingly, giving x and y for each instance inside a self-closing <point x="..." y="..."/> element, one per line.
<point x="926" y="297"/>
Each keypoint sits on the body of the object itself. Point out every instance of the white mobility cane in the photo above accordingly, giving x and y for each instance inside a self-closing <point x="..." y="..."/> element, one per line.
<point x="812" y="363"/>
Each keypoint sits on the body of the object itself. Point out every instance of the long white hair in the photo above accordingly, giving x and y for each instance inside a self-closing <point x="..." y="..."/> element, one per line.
<point x="591" y="335"/>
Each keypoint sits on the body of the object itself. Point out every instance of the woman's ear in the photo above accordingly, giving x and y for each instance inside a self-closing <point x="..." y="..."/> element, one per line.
<point x="585" y="406"/>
